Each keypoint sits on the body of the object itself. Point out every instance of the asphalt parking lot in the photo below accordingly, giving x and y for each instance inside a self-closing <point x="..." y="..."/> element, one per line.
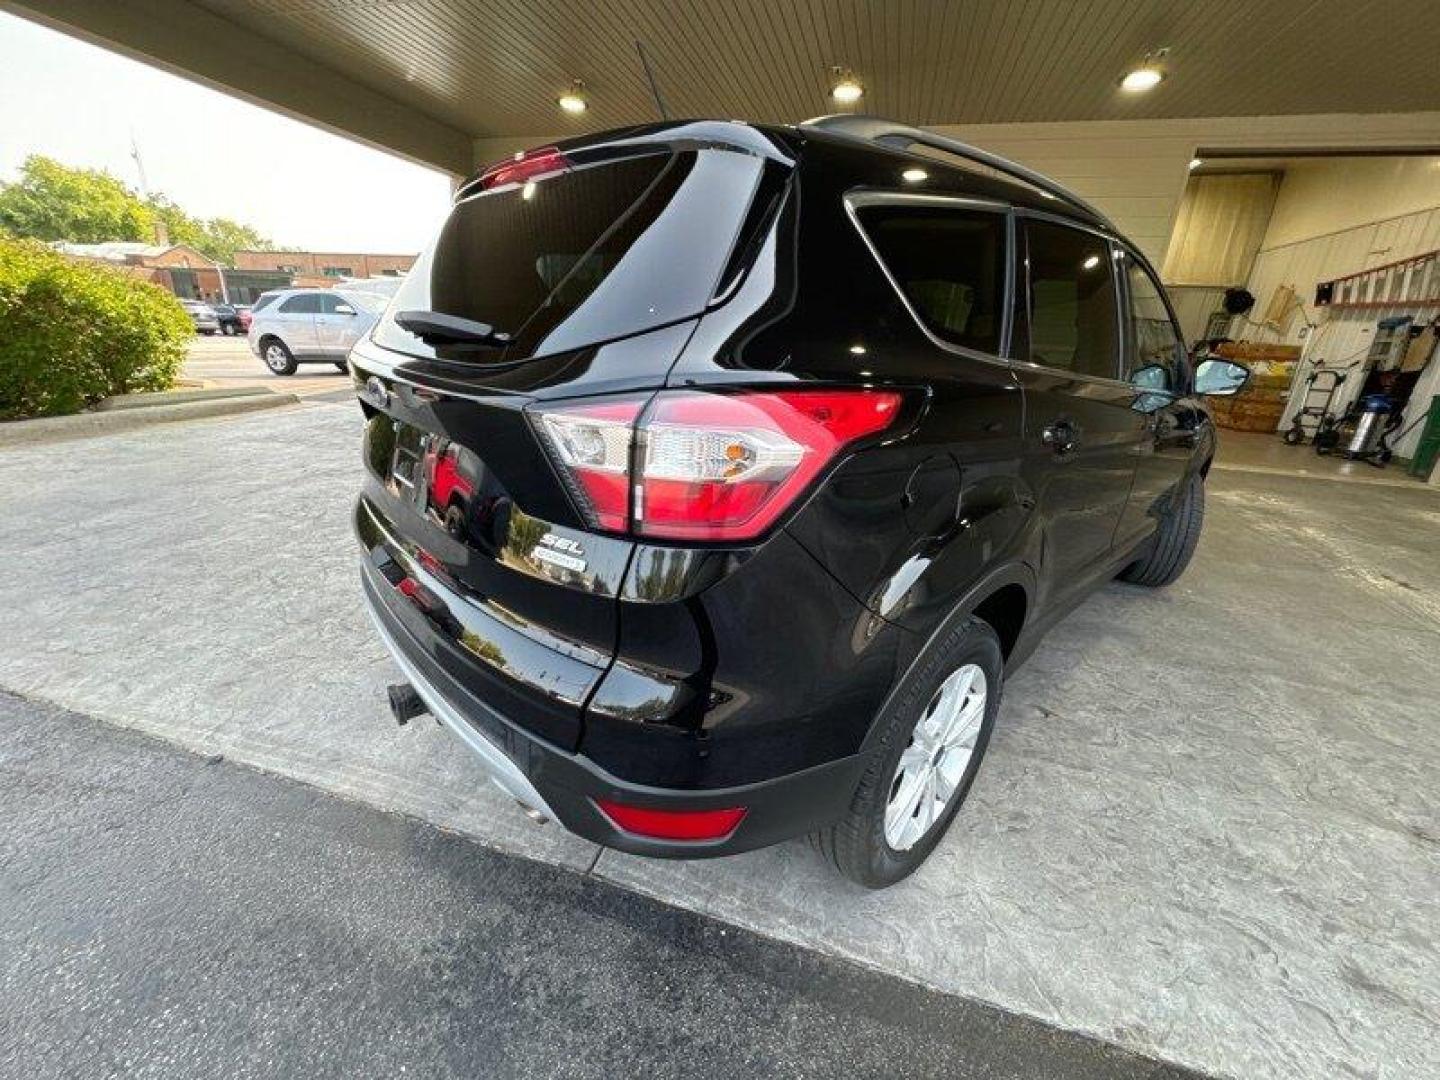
<point x="219" y="361"/>
<point x="166" y="912"/>
<point x="1207" y="829"/>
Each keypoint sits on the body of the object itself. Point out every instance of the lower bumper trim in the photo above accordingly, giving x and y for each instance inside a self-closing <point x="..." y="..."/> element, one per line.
<point x="504" y="773"/>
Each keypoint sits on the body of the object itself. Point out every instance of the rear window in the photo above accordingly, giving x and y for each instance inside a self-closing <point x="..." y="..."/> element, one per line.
<point x="596" y="253"/>
<point x="950" y="265"/>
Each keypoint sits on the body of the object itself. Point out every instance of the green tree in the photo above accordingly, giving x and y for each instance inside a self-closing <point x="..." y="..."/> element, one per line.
<point x="221" y="238"/>
<point x="51" y="201"/>
<point x="218" y="238"/>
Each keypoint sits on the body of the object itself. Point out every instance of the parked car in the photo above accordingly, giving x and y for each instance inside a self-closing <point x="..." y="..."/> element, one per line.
<point x="206" y="321"/>
<point x="717" y="475"/>
<point x="230" y="321"/>
<point x="303" y="326"/>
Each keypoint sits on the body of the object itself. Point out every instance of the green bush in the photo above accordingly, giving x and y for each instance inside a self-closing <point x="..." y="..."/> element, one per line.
<point x="72" y="333"/>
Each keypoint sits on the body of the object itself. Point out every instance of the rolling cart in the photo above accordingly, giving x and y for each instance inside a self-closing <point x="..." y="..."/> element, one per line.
<point x="1321" y="386"/>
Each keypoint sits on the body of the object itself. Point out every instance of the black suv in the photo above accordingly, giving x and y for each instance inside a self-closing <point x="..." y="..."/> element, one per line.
<point x="716" y="474"/>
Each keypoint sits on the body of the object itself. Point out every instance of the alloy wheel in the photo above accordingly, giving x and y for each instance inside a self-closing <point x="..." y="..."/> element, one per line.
<point x="936" y="757"/>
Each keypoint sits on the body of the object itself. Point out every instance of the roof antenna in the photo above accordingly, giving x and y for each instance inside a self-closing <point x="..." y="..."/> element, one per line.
<point x="650" y="77"/>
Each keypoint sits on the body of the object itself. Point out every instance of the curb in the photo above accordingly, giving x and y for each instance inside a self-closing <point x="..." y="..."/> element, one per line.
<point x="175" y="397"/>
<point x="128" y="417"/>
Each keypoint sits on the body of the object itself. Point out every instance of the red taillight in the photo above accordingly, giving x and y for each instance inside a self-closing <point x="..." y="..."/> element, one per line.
<point x="524" y="167"/>
<point x="673" y="824"/>
<point x="707" y="466"/>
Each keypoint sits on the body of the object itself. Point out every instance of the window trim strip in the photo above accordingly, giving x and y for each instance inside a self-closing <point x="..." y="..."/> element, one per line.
<point x="854" y="201"/>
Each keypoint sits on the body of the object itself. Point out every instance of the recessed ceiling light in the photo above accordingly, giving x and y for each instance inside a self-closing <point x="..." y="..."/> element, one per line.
<point x="858" y="350"/>
<point x="1141" y="79"/>
<point x="1147" y="74"/>
<point x="846" y="88"/>
<point x="914" y="176"/>
<point x="1090" y="263"/>
<point x="573" y="101"/>
<point x="1195" y="163"/>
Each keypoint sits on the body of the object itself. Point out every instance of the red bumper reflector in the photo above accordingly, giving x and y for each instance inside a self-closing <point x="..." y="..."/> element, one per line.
<point x="673" y="824"/>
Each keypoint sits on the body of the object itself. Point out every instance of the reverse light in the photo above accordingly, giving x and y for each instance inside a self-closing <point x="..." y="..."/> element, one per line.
<point x="592" y="444"/>
<point x="705" y="466"/>
<point x="673" y="824"/>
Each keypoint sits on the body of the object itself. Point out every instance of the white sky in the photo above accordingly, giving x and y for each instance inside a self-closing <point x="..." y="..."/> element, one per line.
<point x="215" y="155"/>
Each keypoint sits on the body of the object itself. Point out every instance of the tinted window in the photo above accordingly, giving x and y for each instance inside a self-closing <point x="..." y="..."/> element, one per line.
<point x="263" y="301"/>
<point x="950" y="264"/>
<point x="329" y="302"/>
<point x="1156" y="349"/>
<point x="1072" y="300"/>
<point x="595" y="253"/>
<point x="301" y="304"/>
<point x="367" y="302"/>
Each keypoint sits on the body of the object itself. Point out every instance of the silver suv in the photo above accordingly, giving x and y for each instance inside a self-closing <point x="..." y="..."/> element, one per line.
<point x="302" y="326"/>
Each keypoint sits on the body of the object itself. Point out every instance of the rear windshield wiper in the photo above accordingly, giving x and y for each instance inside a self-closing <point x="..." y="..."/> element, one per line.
<point x="437" y="328"/>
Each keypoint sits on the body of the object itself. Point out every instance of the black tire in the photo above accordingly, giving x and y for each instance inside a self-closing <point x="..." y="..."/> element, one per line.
<point x="1175" y="541"/>
<point x="343" y="367"/>
<point x="276" y="356"/>
<point x="857" y="844"/>
<point x="227" y="330"/>
<point x="1294" y="436"/>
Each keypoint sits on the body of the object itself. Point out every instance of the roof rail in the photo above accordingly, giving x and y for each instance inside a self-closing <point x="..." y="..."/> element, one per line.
<point x="889" y="133"/>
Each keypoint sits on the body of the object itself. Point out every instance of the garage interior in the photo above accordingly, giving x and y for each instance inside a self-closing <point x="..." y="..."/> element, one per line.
<point x="1336" y="256"/>
<point x="1209" y="828"/>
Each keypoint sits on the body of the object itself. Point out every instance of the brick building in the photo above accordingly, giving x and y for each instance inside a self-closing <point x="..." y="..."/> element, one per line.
<point x="324" y="264"/>
<point x="180" y="268"/>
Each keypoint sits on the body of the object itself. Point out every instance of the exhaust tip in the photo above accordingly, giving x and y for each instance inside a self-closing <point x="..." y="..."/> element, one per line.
<point x="405" y="703"/>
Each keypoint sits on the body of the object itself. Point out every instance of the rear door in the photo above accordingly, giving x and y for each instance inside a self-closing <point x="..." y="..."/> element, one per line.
<point x="1081" y="431"/>
<point x="296" y="316"/>
<point x="337" y="324"/>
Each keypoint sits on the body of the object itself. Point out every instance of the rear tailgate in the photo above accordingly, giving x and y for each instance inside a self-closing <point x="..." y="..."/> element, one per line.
<point x="595" y="273"/>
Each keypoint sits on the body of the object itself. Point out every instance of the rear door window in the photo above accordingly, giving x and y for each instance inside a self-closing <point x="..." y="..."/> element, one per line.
<point x="303" y="304"/>
<point x="598" y="252"/>
<point x="948" y="263"/>
<point x="1072" y="300"/>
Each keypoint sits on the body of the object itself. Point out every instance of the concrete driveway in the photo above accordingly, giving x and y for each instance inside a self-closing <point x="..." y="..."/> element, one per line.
<point x="1207" y="829"/>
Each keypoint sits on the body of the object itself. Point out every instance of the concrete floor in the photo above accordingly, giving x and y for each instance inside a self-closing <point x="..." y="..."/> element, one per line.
<point x="1246" y="451"/>
<point x="1207" y="828"/>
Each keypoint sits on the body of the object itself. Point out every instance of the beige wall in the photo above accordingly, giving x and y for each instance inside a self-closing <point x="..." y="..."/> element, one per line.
<point x="1330" y="195"/>
<point x="1136" y="170"/>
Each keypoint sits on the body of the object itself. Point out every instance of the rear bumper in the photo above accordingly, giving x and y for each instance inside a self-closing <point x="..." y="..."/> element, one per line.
<point x="566" y="786"/>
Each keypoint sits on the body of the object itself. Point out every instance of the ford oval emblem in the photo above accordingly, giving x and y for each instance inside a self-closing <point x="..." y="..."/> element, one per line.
<point x="374" y="393"/>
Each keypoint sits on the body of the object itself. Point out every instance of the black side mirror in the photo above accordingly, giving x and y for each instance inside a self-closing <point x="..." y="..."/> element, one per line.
<point x="1215" y="377"/>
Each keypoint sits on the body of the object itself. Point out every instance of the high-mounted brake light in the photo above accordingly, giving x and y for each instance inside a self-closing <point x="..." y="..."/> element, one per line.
<point x="524" y="167"/>
<point x="706" y="466"/>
